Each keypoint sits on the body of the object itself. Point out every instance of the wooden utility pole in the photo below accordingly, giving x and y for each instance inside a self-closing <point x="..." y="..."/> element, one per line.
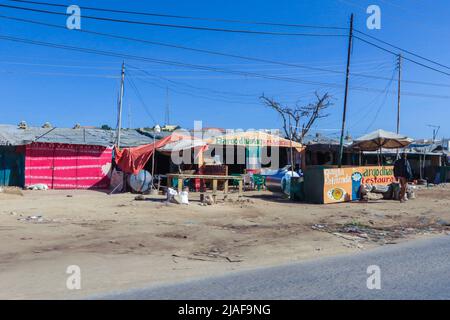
<point x="119" y="114"/>
<point x="290" y="148"/>
<point x="167" y="107"/>
<point x="347" y="77"/>
<point x="399" y="66"/>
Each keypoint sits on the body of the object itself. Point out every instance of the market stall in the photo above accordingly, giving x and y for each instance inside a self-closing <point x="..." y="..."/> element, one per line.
<point x="332" y="184"/>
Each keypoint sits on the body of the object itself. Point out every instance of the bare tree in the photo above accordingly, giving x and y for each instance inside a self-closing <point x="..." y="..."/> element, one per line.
<point x="300" y="118"/>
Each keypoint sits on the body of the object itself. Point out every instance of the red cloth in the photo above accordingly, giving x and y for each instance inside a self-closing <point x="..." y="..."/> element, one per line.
<point x="133" y="160"/>
<point x="67" y="166"/>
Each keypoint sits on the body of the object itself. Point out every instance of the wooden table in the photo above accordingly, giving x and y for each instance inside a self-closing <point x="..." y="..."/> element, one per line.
<point x="212" y="178"/>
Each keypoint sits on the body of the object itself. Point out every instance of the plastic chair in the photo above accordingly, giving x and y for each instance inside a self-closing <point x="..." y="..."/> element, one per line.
<point x="259" y="181"/>
<point x="235" y="182"/>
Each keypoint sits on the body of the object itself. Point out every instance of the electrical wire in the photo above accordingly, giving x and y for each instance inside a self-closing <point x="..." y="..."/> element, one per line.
<point x="176" y="26"/>
<point x="293" y="65"/>
<point x="401" y="49"/>
<point x="200" y="67"/>
<point x="141" y="100"/>
<point x="403" y="57"/>
<point x="382" y="104"/>
<point x="164" y="15"/>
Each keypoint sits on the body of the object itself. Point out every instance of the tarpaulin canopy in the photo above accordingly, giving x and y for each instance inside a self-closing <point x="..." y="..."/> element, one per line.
<point x="254" y="139"/>
<point x="381" y="139"/>
<point x="133" y="160"/>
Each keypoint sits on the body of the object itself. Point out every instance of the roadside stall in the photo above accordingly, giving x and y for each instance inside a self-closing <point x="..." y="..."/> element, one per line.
<point x="331" y="184"/>
<point x="254" y="149"/>
<point x="256" y="155"/>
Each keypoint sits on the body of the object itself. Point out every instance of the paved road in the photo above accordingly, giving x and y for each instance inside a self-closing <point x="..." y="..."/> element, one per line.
<point x="414" y="270"/>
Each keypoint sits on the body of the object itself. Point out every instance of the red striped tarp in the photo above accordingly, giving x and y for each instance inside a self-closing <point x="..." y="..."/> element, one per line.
<point x="67" y="166"/>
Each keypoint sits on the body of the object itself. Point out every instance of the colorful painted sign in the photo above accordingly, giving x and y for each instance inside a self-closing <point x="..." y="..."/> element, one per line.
<point x="343" y="184"/>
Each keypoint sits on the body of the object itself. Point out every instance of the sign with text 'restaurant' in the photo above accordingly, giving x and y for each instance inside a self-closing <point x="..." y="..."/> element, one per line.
<point x="343" y="184"/>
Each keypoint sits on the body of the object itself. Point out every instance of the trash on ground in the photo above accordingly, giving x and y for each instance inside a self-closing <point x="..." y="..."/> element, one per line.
<point x="34" y="219"/>
<point x="381" y="235"/>
<point x="39" y="186"/>
<point x="139" y="197"/>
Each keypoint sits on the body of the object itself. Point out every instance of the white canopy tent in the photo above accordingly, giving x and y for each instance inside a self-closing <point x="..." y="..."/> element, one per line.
<point x="381" y="139"/>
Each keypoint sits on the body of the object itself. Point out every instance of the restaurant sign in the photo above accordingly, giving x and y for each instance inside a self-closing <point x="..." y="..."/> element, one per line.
<point x="343" y="184"/>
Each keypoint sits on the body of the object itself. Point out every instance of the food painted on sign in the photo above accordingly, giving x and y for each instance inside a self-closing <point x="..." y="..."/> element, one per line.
<point x="336" y="194"/>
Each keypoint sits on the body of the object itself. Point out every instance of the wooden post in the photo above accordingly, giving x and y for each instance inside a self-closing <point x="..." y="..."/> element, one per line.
<point x="214" y="189"/>
<point x="180" y="184"/>
<point x="240" y="188"/>
<point x="225" y="189"/>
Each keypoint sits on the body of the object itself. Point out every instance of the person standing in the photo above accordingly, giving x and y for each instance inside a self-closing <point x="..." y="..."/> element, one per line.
<point x="403" y="173"/>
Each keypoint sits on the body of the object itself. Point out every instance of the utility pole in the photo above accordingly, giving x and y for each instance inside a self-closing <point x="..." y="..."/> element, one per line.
<point x="167" y="107"/>
<point x="399" y="66"/>
<point x="290" y="148"/>
<point x="119" y="115"/>
<point x="349" y="54"/>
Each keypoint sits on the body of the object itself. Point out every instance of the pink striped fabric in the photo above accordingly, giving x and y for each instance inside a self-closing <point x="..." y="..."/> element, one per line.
<point x="67" y="166"/>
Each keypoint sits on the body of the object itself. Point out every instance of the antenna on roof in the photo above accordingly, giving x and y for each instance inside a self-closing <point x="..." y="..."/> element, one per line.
<point x="435" y="131"/>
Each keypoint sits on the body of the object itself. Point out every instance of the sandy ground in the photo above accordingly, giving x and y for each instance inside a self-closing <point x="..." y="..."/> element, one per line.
<point x="120" y="243"/>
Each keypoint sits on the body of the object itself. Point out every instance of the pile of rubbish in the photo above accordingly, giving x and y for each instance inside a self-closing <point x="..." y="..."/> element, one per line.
<point x="381" y="235"/>
<point x="179" y="198"/>
<point x="34" y="219"/>
<point x="39" y="186"/>
<point x="389" y="192"/>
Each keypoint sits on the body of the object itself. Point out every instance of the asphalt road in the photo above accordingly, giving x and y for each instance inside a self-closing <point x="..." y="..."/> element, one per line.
<point x="413" y="270"/>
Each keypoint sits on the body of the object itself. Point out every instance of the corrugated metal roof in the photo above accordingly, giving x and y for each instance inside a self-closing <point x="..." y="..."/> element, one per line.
<point x="13" y="136"/>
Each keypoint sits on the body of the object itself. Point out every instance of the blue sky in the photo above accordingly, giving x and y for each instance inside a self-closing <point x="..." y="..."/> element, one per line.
<point x="42" y="84"/>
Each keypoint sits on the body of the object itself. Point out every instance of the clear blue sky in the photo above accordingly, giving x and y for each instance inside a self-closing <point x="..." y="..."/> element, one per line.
<point x="42" y="84"/>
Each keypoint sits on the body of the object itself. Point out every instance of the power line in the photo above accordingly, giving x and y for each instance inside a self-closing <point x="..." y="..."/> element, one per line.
<point x="64" y="74"/>
<point x="160" y="61"/>
<point x="139" y="96"/>
<point x="293" y="65"/>
<point x="164" y="15"/>
<point x="195" y="95"/>
<point x="190" y="85"/>
<point x="405" y="58"/>
<point x="170" y="45"/>
<point x="200" y="67"/>
<point x="177" y="26"/>
<point x="404" y="50"/>
<point x="382" y="104"/>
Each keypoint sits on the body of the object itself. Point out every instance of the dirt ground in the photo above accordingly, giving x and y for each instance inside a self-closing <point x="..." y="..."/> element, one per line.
<point x="120" y="243"/>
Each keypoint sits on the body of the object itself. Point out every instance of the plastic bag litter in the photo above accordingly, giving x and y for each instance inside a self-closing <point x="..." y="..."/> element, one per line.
<point x="171" y="193"/>
<point x="184" y="197"/>
<point x="39" y="186"/>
